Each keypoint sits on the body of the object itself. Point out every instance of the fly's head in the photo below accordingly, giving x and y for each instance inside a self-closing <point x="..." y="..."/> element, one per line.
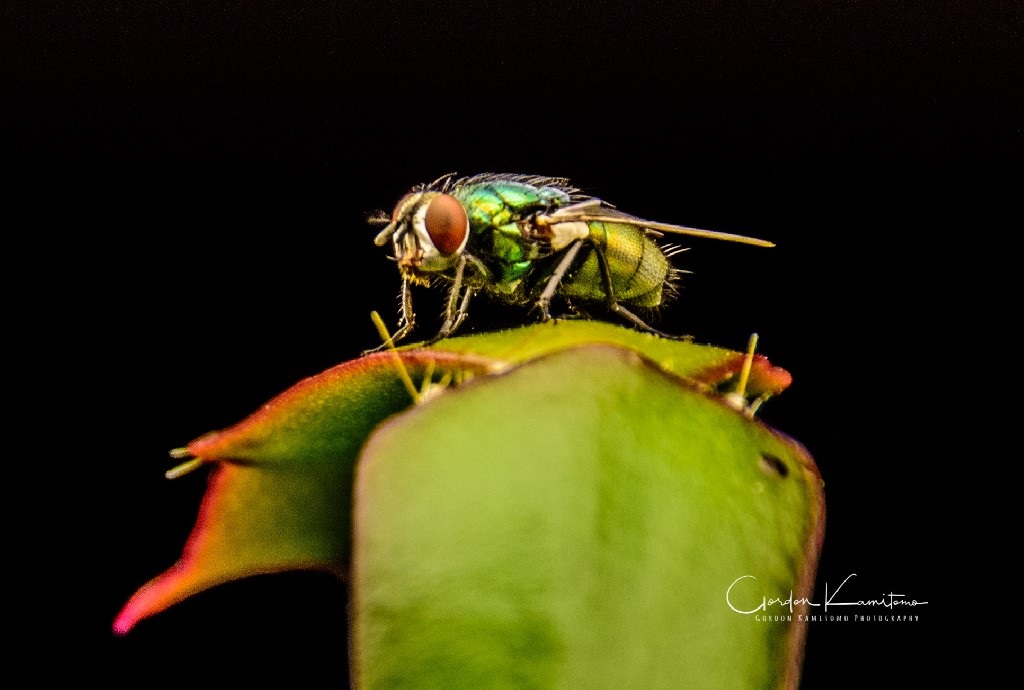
<point x="429" y="231"/>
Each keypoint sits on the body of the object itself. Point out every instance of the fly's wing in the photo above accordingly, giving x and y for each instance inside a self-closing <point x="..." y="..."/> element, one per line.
<point x="596" y="211"/>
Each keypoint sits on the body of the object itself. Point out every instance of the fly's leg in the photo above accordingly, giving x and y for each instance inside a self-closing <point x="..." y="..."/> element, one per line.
<point x="615" y="307"/>
<point x="544" y="301"/>
<point x="453" y="296"/>
<point x="456" y="321"/>
<point x="455" y="311"/>
<point x="406" y="322"/>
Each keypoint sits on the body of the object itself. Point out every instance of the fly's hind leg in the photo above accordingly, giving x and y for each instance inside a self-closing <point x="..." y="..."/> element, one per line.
<point x="616" y="308"/>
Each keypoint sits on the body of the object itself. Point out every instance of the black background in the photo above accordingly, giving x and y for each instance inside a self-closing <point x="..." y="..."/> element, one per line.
<point x="188" y="184"/>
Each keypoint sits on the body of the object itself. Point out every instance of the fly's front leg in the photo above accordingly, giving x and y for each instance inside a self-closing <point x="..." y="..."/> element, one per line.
<point x="544" y="301"/>
<point x="615" y="307"/>
<point x="456" y="321"/>
<point x="405" y="323"/>
<point x="453" y="295"/>
<point x="408" y="320"/>
<point x="455" y="311"/>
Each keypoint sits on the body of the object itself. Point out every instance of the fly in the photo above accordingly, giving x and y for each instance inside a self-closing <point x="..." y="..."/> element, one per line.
<point x="524" y="239"/>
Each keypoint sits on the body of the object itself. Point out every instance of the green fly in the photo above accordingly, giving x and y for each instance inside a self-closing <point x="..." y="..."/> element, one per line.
<point x="524" y="239"/>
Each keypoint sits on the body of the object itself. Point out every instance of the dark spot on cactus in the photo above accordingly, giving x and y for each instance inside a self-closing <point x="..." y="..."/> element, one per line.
<point x="773" y="465"/>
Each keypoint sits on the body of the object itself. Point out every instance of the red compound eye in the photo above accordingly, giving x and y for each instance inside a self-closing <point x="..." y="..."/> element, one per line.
<point x="447" y="223"/>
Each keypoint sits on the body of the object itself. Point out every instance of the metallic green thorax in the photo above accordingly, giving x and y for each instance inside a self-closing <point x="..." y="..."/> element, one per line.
<point x="495" y="208"/>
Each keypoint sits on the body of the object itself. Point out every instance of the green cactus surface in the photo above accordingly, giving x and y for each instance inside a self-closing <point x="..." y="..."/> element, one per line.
<point x="566" y="505"/>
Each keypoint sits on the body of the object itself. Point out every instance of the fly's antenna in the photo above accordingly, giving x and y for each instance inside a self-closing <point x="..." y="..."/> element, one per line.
<point x="381" y="218"/>
<point x="384" y="235"/>
<point x="403" y="373"/>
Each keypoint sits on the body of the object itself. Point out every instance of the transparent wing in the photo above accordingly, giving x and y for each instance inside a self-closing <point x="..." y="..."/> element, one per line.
<point x="596" y="211"/>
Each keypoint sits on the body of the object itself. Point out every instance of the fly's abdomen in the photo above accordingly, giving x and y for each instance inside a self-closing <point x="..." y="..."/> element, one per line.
<point x="638" y="267"/>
